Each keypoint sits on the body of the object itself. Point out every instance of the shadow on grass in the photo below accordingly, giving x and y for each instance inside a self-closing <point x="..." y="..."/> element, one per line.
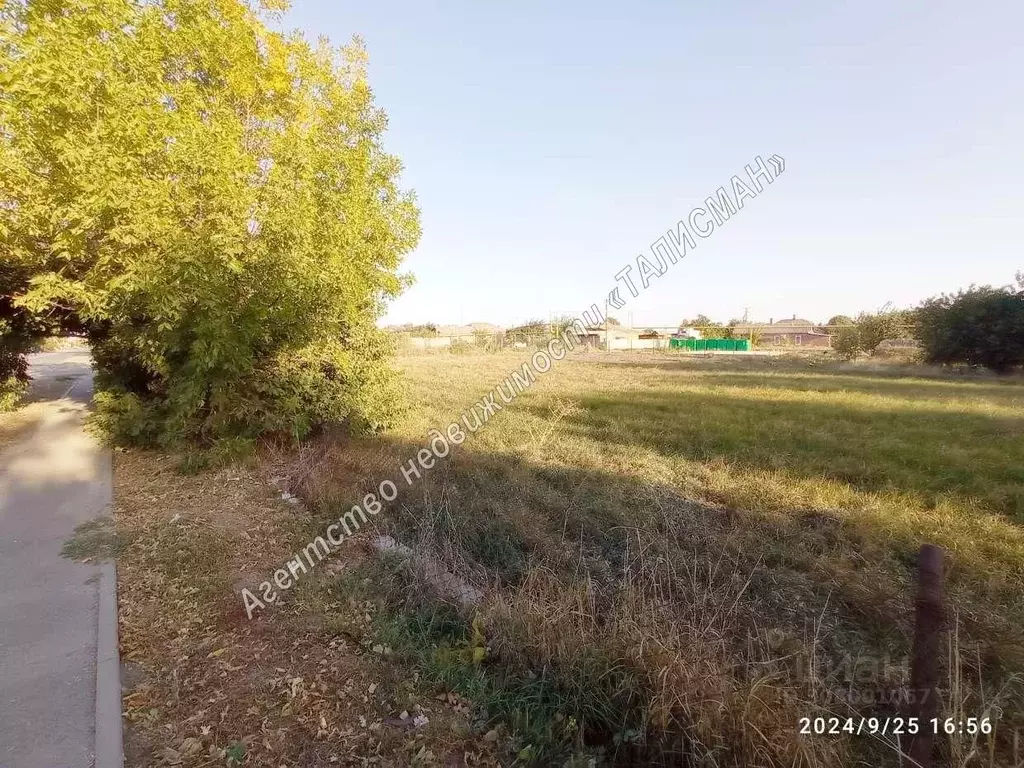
<point x="879" y="379"/>
<point x="931" y="454"/>
<point x="1008" y="393"/>
<point x="496" y="518"/>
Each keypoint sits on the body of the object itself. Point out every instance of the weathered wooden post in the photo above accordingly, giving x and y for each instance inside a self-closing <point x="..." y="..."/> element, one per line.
<point x="929" y="618"/>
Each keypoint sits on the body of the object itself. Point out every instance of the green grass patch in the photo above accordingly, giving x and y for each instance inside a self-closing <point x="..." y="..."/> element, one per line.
<point x="94" y="540"/>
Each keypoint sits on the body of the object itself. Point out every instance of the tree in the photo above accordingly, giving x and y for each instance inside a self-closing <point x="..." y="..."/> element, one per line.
<point x="708" y="328"/>
<point x="835" y="324"/>
<point x="528" y="332"/>
<point x="19" y="332"/>
<point x="847" y="343"/>
<point x="890" y="324"/>
<point x="871" y="329"/>
<point x="209" y="199"/>
<point x="421" y="329"/>
<point x="980" y="326"/>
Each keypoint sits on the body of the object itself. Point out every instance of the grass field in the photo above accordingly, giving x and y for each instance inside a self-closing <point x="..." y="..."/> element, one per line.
<point x="678" y="557"/>
<point x="682" y="557"/>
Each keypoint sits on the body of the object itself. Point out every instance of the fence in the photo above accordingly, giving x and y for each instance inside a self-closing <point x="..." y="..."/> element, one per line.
<point x="621" y="338"/>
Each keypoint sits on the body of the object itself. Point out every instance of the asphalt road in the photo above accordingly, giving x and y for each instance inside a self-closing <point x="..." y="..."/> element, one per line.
<point x="52" y="479"/>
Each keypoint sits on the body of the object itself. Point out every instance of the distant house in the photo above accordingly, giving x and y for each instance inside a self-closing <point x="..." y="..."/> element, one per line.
<point x="455" y="331"/>
<point x="614" y="336"/>
<point x="593" y="338"/>
<point x="792" y="332"/>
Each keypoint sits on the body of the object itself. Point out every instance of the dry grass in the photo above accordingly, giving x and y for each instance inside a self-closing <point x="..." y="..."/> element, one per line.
<point x="690" y="555"/>
<point x="304" y="684"/>
<point x="679" y="560"/>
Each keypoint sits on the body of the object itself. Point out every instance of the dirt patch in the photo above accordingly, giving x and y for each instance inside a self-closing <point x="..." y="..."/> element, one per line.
<point x="303" y="683"/>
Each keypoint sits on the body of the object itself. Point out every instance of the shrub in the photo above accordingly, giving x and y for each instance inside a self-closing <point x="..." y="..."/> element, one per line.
<point x="871" y="330"/>
<point x="21" y="332"/>
<point x="847" y="343"/>
<point x="215" y="209"/>
<point x="835" y="324"/>
<point x="487" y="341"/>
<point x="876" y="328"/>
<point x="11" y="392"/>
<point x="980" y="326"/>
<point x="530" y="332"/>
<point x="708" y="328"/>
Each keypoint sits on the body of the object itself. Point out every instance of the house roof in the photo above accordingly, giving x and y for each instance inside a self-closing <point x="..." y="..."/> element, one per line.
<point x="789" y="325"/>
<point x="789" y="330"/>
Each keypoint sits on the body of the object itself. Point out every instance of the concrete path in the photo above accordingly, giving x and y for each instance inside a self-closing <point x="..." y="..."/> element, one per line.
<point x="59" y="681"/>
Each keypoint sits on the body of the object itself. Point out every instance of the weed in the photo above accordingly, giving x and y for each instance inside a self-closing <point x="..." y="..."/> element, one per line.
<point x="94" y="540"/>
<point x="677" y="549"/>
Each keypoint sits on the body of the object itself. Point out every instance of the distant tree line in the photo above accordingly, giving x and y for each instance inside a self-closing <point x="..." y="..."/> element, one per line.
<point x="979" y="326"/>
<point x="421" y="330"/>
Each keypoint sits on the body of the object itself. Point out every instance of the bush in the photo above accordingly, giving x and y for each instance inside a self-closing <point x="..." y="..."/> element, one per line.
<point x="883" y="326"/>
<point x="871" y="330"/>
<point x="220" y="217"/>
<point x="980" y="327"/>
<point x="531" y="332"/>
<point x="20" y="333"/>
<point x="708" y="328"/>
<point x="847" y="343"/>
<point x="11" y="392"/>
<point x="835" y="325"/>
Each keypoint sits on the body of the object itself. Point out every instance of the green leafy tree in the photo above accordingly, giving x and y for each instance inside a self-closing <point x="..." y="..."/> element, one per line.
<point x="847" y="343"/>
<point x="871" y="329"/>
<point x="835" y="324"/>
<point x="876" y="328"/>
<point x="529" y="332"/>
<point x="708" y="328"/>
<point x="980" y="326"/>
<point x="210" y="201"/>
<point x="20" y="330"/>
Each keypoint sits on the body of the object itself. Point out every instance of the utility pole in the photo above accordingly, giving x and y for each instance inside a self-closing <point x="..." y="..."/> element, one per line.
<point x="607" y="341"/>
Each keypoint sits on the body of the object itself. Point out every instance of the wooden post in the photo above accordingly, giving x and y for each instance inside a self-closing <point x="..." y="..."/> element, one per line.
<point x="929" y="618"/>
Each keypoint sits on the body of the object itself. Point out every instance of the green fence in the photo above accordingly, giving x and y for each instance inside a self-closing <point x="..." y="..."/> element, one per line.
<point x="710" y="345"/>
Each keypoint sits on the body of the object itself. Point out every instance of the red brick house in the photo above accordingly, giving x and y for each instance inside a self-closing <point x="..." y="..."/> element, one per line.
<point x="793" y="332"/>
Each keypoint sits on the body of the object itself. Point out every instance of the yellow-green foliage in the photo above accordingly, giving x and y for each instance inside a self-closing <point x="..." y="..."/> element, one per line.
<point x="212" y="200"/>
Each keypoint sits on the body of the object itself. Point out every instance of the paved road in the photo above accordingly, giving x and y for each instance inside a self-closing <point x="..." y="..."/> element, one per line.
<point x="51" y="480"/>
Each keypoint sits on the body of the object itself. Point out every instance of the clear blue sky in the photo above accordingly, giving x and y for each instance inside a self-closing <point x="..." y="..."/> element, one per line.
<point x="549" y="143"/>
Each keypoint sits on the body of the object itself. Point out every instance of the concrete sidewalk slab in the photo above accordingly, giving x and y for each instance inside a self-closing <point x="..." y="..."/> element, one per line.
<point x="57" y="616"/>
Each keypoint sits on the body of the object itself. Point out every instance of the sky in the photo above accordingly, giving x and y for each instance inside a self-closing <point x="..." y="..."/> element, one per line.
<point x="551" y="143"/>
